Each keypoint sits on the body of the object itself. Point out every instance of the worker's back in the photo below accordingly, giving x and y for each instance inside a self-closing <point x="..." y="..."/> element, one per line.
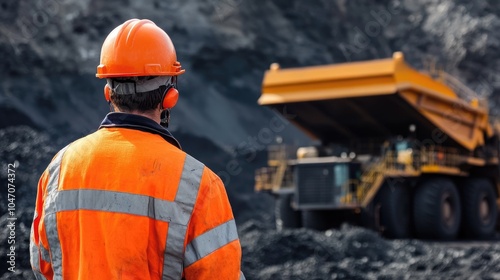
<point x="119" y="205"/>
<point x="109" y="165"/>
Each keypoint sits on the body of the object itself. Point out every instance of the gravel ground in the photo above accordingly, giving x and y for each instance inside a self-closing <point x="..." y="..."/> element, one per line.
<point x="356" y="253"/>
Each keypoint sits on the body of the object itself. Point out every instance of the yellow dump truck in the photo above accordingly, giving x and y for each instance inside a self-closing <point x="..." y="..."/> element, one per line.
<point x="408" y="153"/>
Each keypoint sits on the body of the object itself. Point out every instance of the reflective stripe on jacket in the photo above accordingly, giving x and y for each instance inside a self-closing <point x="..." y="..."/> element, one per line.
<point x="123" y="203"/>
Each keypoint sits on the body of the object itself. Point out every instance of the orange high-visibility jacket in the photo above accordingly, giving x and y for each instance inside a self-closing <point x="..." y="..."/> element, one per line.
<point x="123" y="203"/>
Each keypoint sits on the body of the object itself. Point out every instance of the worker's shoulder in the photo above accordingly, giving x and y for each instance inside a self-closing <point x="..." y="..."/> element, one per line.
<point x="211" y="178"/>
<point x="74" y="144"/>
<point x="192" y="164"/>
<point x="87" y="141"/>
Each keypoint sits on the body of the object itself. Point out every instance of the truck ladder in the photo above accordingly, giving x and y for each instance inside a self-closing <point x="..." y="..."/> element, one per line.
<point x="371" y="180"/>
<point x="280" y="174"/>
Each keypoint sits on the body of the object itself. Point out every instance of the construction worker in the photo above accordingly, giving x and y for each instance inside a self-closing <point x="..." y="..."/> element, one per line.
<point x="125" y="202"/>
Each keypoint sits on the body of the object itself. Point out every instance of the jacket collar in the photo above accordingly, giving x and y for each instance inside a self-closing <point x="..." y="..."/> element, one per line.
<point x="137" y="122"/>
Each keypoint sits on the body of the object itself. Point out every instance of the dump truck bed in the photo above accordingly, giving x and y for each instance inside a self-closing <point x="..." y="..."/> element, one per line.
<point x="374" y="100"/>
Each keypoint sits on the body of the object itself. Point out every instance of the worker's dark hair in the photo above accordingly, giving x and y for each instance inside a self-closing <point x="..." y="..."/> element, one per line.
<point x="142" y="102"/>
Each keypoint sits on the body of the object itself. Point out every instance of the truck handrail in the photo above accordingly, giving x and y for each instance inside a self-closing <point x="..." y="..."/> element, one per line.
<point x="462" y="90"/>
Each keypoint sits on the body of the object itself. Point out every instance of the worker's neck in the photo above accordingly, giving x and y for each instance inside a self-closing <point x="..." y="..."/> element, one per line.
<point x="155" y="115"/>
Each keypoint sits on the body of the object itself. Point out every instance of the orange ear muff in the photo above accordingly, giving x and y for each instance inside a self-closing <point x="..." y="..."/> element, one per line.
<point x="107" y="93"/>
<point x="170" y="98"/>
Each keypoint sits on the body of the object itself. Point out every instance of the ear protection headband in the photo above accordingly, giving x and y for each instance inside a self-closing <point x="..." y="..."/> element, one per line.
<point x="169" y="99"/>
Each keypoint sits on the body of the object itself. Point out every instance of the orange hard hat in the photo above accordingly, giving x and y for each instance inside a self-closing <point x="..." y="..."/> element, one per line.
<point x="138" y="48"/>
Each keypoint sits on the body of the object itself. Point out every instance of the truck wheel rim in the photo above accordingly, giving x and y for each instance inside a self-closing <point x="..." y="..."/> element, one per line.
<point x="484" y="210"/>
<point x="448" y="211"/>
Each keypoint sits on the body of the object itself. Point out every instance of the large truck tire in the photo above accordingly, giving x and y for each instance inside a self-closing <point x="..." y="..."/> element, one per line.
<point x="436" y="209"/>
<point x="286" y="216"/>
<point x="395" y="211"/>
<point x="479" y="208"/>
